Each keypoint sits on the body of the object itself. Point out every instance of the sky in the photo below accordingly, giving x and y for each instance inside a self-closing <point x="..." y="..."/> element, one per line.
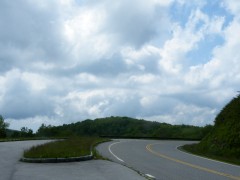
<point x="63" y="61"/>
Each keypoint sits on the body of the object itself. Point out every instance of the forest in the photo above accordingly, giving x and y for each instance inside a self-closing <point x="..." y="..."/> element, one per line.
<point x="112" y="127"/>
<point x="124" y="127"/>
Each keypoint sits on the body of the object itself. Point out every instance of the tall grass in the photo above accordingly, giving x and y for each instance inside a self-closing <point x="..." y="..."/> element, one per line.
<point x="72" y="147"/>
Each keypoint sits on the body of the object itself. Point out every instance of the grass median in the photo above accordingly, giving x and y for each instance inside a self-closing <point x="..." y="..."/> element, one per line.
<point x="72" y="147"/>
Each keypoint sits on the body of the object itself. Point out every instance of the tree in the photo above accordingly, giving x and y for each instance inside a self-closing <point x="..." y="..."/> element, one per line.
<point x="3" y="127"/>
<point x="48" y="131"/>
<point x="25" y="132"/>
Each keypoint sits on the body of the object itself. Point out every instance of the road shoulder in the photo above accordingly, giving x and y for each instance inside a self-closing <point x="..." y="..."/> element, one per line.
<point x="85" y="170"/>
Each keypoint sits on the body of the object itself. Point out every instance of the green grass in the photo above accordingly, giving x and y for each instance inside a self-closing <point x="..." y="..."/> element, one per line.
<point x="193" y="149"/>
<point x="72" y="147"/>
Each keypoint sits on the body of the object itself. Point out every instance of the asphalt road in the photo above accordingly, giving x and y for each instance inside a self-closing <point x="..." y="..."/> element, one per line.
<point x="162" y="160"/>
<point x="12" y="169"/>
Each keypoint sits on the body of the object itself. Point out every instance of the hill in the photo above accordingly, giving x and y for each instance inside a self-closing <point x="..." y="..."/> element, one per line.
<point x="125" y="127"/>
<point x="224" y="139"/>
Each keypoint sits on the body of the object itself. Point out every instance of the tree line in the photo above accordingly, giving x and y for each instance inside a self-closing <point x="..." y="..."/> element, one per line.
<point x="7" y="133"/>
<point x="124" y="127"/>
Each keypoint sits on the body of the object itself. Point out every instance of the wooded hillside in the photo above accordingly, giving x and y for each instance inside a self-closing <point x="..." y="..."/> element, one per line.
<point x="224" y="139"/>
<point x="125" y="127"/>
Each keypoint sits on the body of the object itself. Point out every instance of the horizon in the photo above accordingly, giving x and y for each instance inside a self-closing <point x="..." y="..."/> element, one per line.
<point x="112" y="117"/>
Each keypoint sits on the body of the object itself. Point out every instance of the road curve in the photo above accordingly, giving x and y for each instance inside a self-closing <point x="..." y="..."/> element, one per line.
<point x="12" y="169"/>
<point x="162" y="160"/>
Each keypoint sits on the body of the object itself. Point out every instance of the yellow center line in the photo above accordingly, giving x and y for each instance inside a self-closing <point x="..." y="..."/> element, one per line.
<point x="148" y="147"/>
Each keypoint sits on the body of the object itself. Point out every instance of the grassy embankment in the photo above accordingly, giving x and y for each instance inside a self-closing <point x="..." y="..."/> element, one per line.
<point x="223" y="141"/>
<point x="194" y="149"/>
<point x="72" y="147"/>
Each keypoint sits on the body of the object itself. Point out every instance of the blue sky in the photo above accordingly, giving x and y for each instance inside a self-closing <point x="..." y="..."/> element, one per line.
<point x="63" y="61"/>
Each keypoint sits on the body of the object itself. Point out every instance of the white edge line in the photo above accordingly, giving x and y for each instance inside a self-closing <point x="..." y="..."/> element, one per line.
<point x="150" y="176"/>
<point x="109" y="148"/>
<point x="207" y="158"/>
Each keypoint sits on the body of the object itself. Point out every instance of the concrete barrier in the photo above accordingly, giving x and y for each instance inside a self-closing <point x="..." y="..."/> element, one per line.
<point x="57" y="160"/>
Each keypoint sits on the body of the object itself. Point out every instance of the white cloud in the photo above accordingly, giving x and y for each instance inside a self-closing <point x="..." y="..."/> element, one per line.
<point x="34" y="122"/>
<point x="182" y="114"/>
<point x="143" y="79"/>
<point x="82" y="31"/>
<point x="223" y="68"/>
<point x="65" y="61"/>
<point x="97" y="103"/>
<point x="185" y="39"/>
<point x="36" y="81"/>
<point x="233" y="6"/>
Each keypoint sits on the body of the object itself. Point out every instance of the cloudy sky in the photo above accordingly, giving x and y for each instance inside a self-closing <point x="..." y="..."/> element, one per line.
<point x="62" y="61"/>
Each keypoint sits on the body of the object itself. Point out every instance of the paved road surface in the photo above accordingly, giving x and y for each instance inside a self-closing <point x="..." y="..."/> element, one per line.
<point x="162" y="160"/>
<point x="12" y="169"/>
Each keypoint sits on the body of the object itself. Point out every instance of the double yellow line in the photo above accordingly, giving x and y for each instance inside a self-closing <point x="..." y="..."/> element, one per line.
<point x="149" y="148"/>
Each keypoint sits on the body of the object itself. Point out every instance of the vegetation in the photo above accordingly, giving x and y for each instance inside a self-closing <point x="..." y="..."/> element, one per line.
<point x="124" y="127"/>
<point x="8" y="134"/>
<point x="3" y="127"/>
<point x="23" y="133"/>
<point x="72" y="147"/>
<point x="223" y="141"/>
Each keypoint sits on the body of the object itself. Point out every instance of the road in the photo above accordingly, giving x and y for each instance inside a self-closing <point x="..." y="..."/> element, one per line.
<point x="162" y="160"/>
<point x="12" y="169"/>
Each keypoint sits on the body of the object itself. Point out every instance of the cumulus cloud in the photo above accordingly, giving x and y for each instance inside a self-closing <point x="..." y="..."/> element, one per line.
<point x="23" y="96"/>
<point x="66" y="61"/>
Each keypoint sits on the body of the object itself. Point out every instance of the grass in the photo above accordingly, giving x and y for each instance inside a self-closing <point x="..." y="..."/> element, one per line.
<point x="192" y="148"/>
<point x="72" y="147"/>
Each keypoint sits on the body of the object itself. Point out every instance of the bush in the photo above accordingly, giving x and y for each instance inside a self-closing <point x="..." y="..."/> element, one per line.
<point x="3" y="127"/>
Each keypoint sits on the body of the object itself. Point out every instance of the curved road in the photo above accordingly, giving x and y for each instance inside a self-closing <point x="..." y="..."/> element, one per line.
<point x="12" y="169"/>
<point x="162" y="160"/>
